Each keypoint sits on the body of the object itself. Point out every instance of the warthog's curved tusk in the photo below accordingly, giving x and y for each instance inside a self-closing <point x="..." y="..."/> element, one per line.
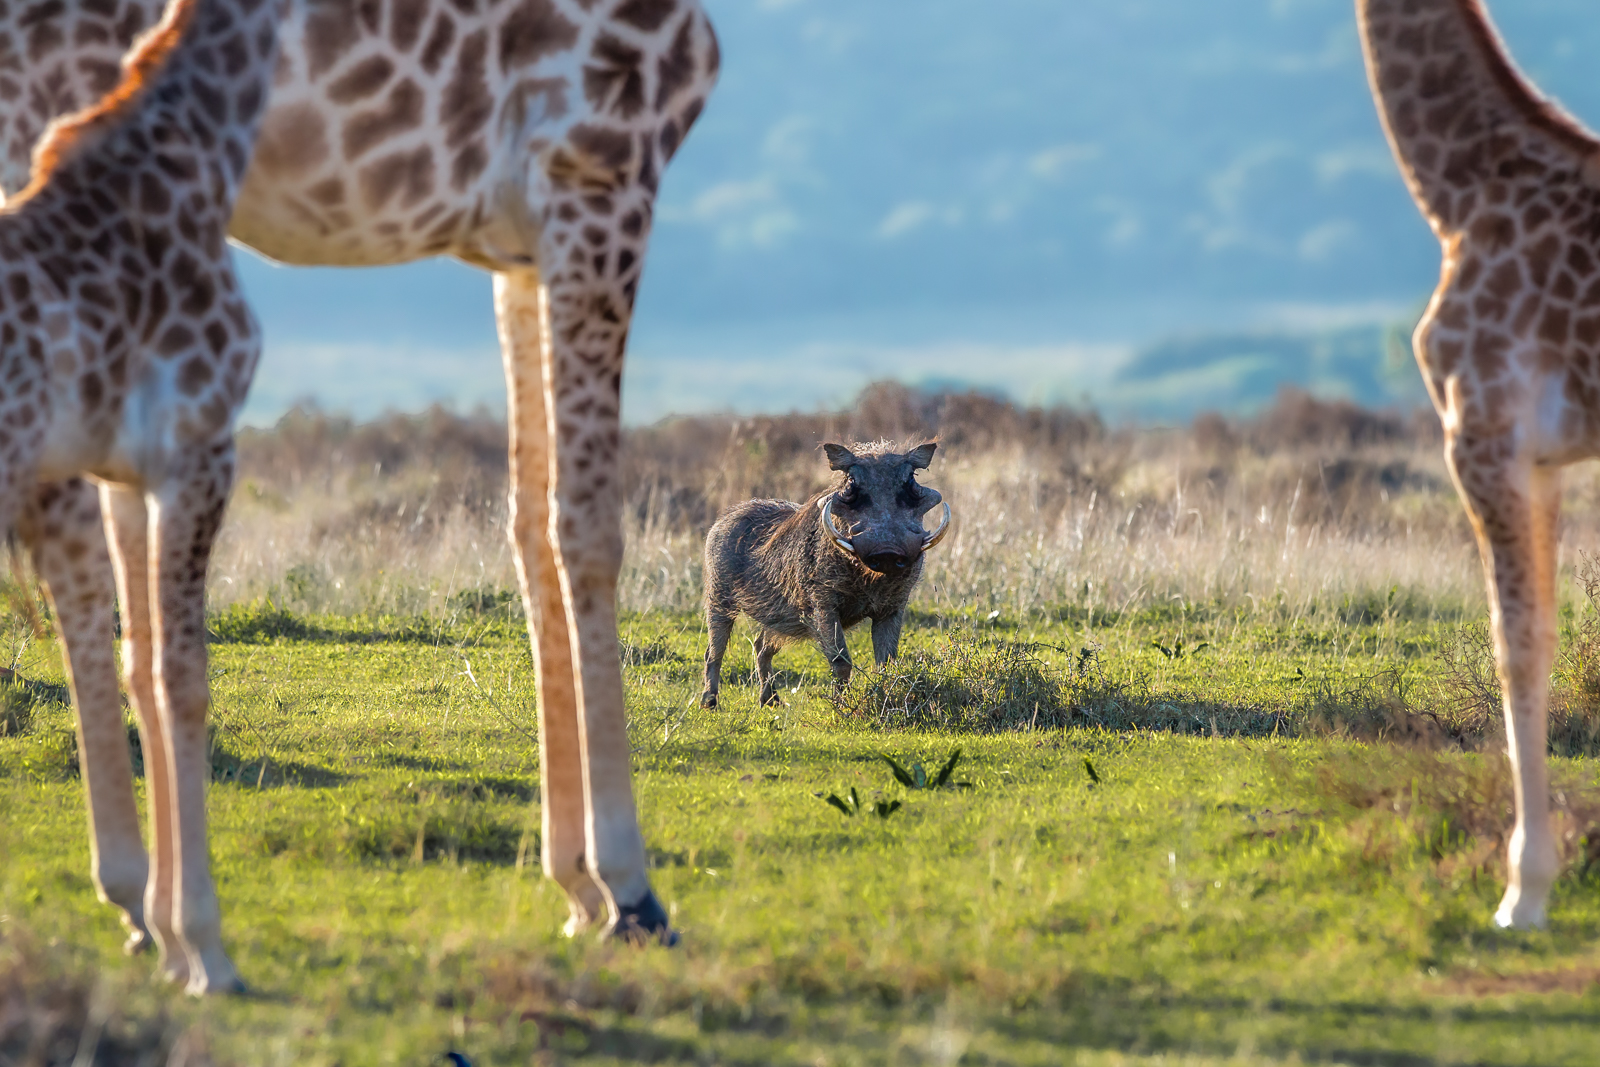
<point x="929" y="540"/>
<point x="840" y="538"/>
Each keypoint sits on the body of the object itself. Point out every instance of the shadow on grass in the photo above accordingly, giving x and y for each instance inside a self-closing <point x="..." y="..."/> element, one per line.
<point x="1368" y="1033"/>
<point x="262" y="622"/>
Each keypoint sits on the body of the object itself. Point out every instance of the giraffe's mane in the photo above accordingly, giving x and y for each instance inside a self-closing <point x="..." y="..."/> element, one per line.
<point x="68" y="135"/>
<point x="1538" y="110"/>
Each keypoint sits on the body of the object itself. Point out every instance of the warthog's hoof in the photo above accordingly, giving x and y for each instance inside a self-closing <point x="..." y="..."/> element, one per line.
<point x="645" y="923"/>
<point x="708" y="700"/>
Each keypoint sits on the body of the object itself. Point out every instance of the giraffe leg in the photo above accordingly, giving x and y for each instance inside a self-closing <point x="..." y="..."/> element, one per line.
<point x="64" y="533"/>
<point x="591" y="249"/>
<point x="184" y="518"/>
<point x="519" y="311"/>
<point x="1514" y="506"/>
<point x="127" y="521"/>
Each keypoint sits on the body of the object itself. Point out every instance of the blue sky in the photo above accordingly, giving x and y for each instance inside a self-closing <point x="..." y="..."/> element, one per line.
<point x="1012" y="195"/>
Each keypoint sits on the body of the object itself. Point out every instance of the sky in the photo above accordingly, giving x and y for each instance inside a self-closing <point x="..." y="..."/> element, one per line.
<point x="1018" y="195"/>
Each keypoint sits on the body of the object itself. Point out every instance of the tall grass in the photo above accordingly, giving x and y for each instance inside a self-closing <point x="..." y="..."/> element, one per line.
<point x="1309" y="506"/>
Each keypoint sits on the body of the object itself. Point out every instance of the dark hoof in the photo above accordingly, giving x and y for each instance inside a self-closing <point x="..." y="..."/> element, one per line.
<point x="708" y="700"/>
<point x="645" y="923"/>
<point x="771" y="700"/>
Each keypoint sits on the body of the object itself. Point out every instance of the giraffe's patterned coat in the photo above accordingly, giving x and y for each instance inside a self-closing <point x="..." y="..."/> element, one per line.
<point x="526" y="137"/>
<point x="1510" y="344"/>
<point x="126" y="349"/>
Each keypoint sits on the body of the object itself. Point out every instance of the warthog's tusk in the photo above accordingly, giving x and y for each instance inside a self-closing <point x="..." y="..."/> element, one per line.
<point x="929" y="540"/>
<point x="839" y="537"/>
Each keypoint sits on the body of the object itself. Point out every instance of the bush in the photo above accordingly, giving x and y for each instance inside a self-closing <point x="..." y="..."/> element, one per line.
<point x="965" y="684"/>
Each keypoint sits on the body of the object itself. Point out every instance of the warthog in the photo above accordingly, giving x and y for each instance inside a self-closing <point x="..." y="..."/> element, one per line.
<point x="814" y="570"/>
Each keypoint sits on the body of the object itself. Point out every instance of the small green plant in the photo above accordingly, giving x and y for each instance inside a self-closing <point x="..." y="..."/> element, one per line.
<point x="853" y="806"/>
<point x="1178" y="651"/>
<point x="916" y="777"/>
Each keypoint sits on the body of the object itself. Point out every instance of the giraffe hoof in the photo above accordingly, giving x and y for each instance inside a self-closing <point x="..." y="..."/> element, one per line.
<point x="139" y="940"/>
<point x="644" y="923"/>
<point x="708" y="700"/>
<point x="232" y="986"/>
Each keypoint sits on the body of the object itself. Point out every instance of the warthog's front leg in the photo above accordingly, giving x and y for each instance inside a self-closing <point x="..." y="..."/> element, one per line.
<point x="830" y="636"/>
<point x="886" y="637"/>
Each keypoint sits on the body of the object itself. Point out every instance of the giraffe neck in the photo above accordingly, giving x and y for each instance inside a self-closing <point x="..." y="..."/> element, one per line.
<point x="195" y="85"/>
<point x="1456" y="109"/>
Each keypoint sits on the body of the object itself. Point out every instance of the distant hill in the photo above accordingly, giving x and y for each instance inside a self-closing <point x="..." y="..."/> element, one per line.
<point x="1175" y="379"/>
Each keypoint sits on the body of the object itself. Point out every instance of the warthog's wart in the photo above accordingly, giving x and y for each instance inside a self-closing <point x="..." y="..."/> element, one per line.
<point x="813" y="570"/>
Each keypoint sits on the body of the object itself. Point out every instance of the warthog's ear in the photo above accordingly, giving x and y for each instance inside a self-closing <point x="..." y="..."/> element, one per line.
<point x="922" y="455"/>
<point x="840" y="458"/>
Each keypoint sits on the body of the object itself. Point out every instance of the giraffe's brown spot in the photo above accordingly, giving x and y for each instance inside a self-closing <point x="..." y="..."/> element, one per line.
<point x="194" y="375"/>
<point x="468" y="164"/>
<point x="177" y="339"/>
<point x="361" y="80"/>
<point x="1493" y="232"/>
<point x="328" y="192"/>
<point x="154" y="199"/>
<point x="467" y="104"/>
<point x="1527" y="311"/>
<point x="614" y="81"/>
<point x="1555" y="325"/>
<point x="235" y="55"/>
<point x="1541" y="258"/>
<point x="675" y="69"/>
<point x="448" y="227"/>
<point x="370" y="14"/>
<point x="405" y="23"/>
<point x="216" y="337"/>
<point x="91" y="391"/>
<point x="439" y="42"/>
<point x="44" y="35"/>
<point x="534" y="29"/>
<point x="158" y="309"/>
<point x="1581" y="260"/>
<point x="331" y="31"/>
<point x="1587" y="330"/>
<point x="646" y="15"/>
<point x="409" y="174"/>
<point x="1565" y="287"/>
<point x="401" y="111"/>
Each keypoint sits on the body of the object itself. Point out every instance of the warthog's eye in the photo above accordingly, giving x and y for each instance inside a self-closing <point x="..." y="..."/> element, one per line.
<point x="853" y="497"/>
<point x="910" y="494"/>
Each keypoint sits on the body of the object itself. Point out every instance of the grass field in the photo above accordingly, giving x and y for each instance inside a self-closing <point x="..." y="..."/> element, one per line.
<point x="1246" y="899"/>
<point x="1222" y="701"/>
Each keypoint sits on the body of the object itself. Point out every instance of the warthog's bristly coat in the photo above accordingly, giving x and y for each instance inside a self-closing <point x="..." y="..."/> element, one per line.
<point x="779" y="563"/>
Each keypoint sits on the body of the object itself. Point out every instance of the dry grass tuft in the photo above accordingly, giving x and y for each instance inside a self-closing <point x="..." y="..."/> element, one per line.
<point x="1461" y="807"/>
<point x="964" y="684"/>
<point x="1307" y="503"/>
<point x="52" y="1016"/>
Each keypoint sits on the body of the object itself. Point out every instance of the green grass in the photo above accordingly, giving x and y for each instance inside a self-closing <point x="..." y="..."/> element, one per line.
<point x="1243" y="886"/>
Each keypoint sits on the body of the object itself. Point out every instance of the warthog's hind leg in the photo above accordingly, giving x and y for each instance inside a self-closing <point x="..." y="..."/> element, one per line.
<point x="720" y="625"/>
<point x="766" y="648"/>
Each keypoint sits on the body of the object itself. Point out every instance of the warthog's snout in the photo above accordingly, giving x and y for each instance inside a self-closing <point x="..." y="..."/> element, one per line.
<point x="887" y="540"/>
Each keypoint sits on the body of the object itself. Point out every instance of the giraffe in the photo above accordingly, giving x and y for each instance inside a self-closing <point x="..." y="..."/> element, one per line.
<point x="126" y="350"/>
<point x="525" y="137"/>
<point x="1509" y="345"/>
